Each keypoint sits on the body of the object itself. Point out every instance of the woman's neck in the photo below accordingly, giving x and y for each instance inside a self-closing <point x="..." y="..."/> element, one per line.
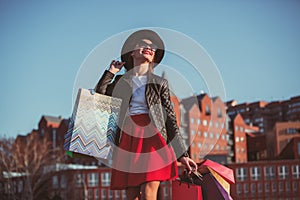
<point x="141" y="69"/>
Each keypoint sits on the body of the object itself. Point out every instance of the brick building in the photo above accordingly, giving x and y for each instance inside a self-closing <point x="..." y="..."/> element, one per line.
<point x="203" y="121"/>
<point x="291" y="150"/>
<point x="266" y="114"/>
<point x="240" y="130"/>
<point x="256" y="146"/>
<point x="280" y="136"/>
<point x="266" y="180"/>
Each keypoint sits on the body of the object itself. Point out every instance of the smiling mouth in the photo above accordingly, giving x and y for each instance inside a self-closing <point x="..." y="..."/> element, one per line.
<point x="147" y="52"/>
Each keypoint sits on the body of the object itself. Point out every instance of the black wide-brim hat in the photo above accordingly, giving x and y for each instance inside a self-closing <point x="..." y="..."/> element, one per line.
<point x="136" y="37"/>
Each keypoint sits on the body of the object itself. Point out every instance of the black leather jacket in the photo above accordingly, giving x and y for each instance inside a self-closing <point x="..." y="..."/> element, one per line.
<point x="157" y="95"/>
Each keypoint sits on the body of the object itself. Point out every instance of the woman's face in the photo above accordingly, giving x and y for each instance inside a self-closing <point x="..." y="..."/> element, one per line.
<point x="144" y="49"/>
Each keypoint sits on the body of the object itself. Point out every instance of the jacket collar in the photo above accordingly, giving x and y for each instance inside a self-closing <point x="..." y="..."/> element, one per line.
<point x="127" y="77"/>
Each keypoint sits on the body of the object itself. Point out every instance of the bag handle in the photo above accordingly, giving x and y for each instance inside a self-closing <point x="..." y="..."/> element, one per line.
<point x="191" y="178"/>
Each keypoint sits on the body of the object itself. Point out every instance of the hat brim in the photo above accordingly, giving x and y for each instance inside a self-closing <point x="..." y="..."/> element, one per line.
<point x="136" y="37"/>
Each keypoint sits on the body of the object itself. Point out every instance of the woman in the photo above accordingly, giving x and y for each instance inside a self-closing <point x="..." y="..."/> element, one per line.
<point x="148" y="140"/>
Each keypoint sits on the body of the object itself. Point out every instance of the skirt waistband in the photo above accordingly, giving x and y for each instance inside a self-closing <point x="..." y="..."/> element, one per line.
<point x="139" y="119"/>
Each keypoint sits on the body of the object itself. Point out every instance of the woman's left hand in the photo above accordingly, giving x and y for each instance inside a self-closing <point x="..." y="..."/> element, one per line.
<point x="189" y="164"/>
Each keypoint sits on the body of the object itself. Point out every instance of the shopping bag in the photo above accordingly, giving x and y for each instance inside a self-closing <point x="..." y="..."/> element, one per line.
<point x="220" y="182"/>
<point x="216" y="180"/>
<point x="211" y="189"/>
<point x="183" y="190"/>
<point x="93" y="125"/>
<point x="223" y="171"/>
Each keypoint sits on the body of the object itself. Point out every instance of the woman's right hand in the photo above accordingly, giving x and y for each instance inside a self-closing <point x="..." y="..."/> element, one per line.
<point x="115" y="66"/>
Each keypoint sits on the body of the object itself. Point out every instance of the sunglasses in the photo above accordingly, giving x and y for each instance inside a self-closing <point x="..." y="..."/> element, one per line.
<point x="145" y="45"/>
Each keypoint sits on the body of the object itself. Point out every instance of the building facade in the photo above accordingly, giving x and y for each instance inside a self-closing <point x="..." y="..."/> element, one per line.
<point x="278" y="179"/>
<point x="266" y="114"/>
<point x="280" y="136"/>
<point x="203" y="121"/>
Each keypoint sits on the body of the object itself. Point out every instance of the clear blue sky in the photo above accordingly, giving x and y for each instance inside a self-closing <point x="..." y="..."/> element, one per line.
<point x="255" y="45"/>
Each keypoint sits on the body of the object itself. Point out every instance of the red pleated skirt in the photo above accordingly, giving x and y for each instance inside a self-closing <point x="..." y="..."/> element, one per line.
<point x="142" y="155"/>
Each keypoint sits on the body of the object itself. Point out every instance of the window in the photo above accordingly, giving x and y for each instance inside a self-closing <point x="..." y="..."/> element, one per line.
<point x="193" y="132"/>
<point x="192" y="120"/>
<point x="198" y="121"/>
<point x="295" y="186"/>
<point x="183" y="117"/>
<point x="242" y="139"/>
<point x="291" y="131"/>
<point x="280" y="186"/>
<point x="222" y="125"/>
<point x="274" y="187"/>
<point x="259" y="187"/>
<point x="199" y="133"/>
<point x="269" y="172"/>
<point x="205" y="134"/>
<point x="96" y="191"/>
<point x="298" y="148"/>
<point x="237" y="139"/>
<point x="204" y="122"/>
<point x="117" y="194"/>
<point x="239" y="188"/>
<point x="287" y="186"/>
<point x="123" y="194"/>
<point x="42" y="132"/>
<point x="253" y="188"/>
<point x="296" y="171"/>
<point x="219" y="112"/>
<point x="283" y="172"/>
<point x="55" y="181"/>
<point x="110" y="194"/>
<point x="267" y="187"/>
<point x="207" y="110"/>
<point x="241" y="174"/>
<point x="210" y="123"/>
<point x="93" y="180"/>
<point x="255" y="173"/>
<point x="90" y="194"/>
<point x="14" y="186"/>
<point x="103" y="193"/>
<point x="218" y="135"/>
<point x="20" y="186"/>
<point x="105" y="178"/>
<point x="199" y="145"/>
<point x="217" y="125"/>
<point x="63" y="181"/>
<point x="236" y="128"/>
<point x="223" y="137"/>
<point x="241" y="129"/>
<point x="211" y="135"/>
<point x="246" y="188"/>
<point x="54" y="138"/>
<point x="80" y="178"/>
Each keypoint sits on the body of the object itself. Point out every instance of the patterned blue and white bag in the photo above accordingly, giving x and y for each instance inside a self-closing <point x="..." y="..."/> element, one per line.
<point x="93" y="125"/>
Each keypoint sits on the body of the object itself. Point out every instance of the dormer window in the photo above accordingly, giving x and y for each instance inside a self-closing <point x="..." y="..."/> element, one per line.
<point x="207" y="110"/>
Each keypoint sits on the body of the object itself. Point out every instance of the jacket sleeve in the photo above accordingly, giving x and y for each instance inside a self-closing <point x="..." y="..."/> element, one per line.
<point x="104" y="85"/>
<point x="174" y="137"/>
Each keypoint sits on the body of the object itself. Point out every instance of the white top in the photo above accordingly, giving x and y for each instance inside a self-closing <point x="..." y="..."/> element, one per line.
<point x="138" y="104"/>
